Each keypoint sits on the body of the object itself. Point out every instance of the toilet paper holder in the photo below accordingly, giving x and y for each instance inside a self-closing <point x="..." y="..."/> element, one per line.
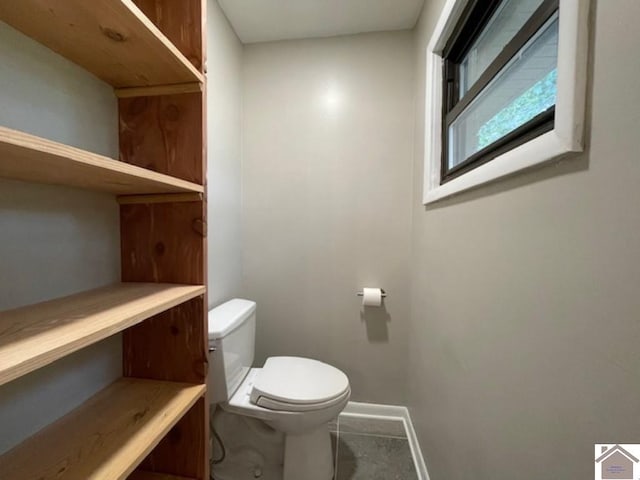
<point x="384" y="294"/>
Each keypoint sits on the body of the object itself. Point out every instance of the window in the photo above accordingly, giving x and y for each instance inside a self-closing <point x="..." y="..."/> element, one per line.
<point x="505" y="89"/>
<point x="500" y="71"/>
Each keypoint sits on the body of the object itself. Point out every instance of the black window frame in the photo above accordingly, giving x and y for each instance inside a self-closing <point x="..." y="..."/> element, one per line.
<point x="475" y="17"/>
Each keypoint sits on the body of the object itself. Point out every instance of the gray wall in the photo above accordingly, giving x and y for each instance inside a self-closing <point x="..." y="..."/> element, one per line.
<point x="327" y="164"/>
<point x="524" y="315"/>
<point x="54" y="241"/>
<point x="224" y="103"/>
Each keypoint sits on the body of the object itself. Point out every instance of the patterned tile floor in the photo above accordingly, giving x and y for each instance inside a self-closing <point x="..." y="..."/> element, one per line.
<point x="364" y="449"/>
<point x="371" y="449"/>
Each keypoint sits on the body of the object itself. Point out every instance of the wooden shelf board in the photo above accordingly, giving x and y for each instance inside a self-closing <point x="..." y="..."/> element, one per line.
<point x="142" y="475"/>
<point x="160" y="198"/>
<point x="112" y="39"/>
<point x="33" y="159"/>
<point x="36" y="335"/>
<point x="106" y="437"/>
<point x="178" y="89"/>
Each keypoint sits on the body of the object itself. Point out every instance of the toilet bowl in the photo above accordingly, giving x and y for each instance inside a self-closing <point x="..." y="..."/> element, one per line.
<point x="307" y="452"/>
<point x="293" y="395"/>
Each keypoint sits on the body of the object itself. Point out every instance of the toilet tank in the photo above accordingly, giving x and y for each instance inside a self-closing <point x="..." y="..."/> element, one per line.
<point x="232" y="333"/>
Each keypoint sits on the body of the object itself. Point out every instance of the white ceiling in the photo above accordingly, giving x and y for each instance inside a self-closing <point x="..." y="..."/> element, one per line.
<point x="268" y="20"/>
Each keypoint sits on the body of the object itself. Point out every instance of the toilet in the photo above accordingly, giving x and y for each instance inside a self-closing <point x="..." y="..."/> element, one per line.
<point x="293" y="395"/>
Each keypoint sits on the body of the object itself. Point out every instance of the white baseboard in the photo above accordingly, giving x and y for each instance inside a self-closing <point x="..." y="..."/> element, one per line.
<point x="392" y="412"/>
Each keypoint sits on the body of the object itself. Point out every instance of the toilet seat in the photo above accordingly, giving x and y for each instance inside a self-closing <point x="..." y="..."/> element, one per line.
<point x="275" y="405"/>
<point x="295" y="384"/>
<point x="240" y="403"/>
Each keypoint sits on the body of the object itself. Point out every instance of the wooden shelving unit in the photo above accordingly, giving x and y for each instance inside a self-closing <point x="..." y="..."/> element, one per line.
<point x="142" y="475"/>
<point x="153" y="423"/>
<point x="107" y="436"/>
<point x="33" y="159"/>
<point x="113" y="39"/>
<point x="34" y="336"/>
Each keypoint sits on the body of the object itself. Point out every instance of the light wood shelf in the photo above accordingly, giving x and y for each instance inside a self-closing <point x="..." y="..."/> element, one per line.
<point x="33" y="159"/>
<point x="112" y="39"/>
<point x="36" y="335"/>
<point x="152" y="49"/>
<point x="107" y="437"/>
<point x="141" y="475"/>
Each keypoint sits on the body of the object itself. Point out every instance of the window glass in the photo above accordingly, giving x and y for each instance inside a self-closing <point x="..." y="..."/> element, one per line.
<point x="524" y="88"/>
<point x="508" y="19"/>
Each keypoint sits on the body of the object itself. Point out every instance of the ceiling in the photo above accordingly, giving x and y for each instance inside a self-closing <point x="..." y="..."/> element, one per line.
<point x="268" y="20"/>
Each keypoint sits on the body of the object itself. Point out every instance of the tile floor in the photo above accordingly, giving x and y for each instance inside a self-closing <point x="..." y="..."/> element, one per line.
<point x="371" y="449"/>
<point x="364" y="449"/>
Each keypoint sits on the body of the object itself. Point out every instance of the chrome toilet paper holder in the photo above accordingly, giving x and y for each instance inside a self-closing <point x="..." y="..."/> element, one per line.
<point x="384" y="294"/>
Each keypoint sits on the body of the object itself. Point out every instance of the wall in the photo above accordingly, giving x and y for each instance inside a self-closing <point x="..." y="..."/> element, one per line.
<point x="54" y="241"/>
<point x="524" y="315"/>
<point x="224" y="104"/>
<point x="328" y="128"/>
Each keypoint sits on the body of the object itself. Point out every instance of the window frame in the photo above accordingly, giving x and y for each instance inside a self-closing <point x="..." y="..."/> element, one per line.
<point x="476" y="17"/>
<point x="538" y="141"/>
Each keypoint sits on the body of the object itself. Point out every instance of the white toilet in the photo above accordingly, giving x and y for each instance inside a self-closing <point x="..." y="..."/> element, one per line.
<point x="293" y="395"/>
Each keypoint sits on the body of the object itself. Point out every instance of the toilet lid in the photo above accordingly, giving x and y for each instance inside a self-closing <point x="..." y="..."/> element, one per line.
<point x="298" y="381"/>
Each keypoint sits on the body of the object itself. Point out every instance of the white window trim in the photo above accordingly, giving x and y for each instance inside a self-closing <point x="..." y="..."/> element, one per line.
<point x="565" y="138"/>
